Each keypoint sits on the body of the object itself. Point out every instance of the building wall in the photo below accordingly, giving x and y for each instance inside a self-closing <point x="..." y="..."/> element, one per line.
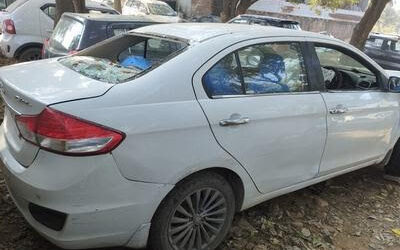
<point x="339" y="29"/>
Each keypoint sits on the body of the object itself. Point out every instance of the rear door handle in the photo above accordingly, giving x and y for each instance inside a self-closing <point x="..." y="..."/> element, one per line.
<point x="339" y="109"/>
<point x="234" y="120"/>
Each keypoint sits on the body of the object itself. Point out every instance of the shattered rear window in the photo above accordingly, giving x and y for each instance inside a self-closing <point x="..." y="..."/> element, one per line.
<point x="100" y="69"/>
<point x="124" y="57"/>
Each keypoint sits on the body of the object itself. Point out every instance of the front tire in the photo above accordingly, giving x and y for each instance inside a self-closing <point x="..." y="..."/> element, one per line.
<point x="196" y="215"/>
<point x="30" y="54"/>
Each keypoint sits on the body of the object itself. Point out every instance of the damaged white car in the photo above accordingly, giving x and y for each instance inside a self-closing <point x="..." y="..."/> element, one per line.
<point x="158" y="136"/>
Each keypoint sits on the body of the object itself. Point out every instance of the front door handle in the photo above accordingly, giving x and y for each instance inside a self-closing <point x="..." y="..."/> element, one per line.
<point x="234" y="120"/>
<point x="339" y="109"/>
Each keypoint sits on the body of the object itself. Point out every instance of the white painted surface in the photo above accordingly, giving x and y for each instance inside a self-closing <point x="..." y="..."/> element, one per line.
<point x="172" y="131"/>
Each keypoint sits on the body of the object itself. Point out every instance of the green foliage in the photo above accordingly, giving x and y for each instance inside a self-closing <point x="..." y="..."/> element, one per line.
<point x="388" y="23"/>
<point x="333" y="4"/>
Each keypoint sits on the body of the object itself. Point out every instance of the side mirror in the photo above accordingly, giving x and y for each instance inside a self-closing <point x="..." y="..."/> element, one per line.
<point x="394" y="84"/>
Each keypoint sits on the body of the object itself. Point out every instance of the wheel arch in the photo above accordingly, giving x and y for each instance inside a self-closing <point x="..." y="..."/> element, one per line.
<point x="26" y="46"/>
<point x="233" y="178"/>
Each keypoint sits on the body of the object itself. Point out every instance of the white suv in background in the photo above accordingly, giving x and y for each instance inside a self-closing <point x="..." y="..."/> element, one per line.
<point x="154" y="8"/>
<point x="28" y="23"/>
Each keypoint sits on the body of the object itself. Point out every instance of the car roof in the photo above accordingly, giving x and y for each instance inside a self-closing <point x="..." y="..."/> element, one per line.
<point x="384" y="36"/>
<point x="268" y="18"/>
<point x="199" y="32"/>
<point x="112" y="18"/>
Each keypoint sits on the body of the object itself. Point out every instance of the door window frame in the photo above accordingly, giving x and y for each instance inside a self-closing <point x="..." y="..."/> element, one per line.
<point x="311" y="75"/>
<point x="380" y="78"/>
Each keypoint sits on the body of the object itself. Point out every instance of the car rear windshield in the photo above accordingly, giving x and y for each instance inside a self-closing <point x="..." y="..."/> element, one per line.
<point x="123" y="58"/>
<point x="67" y="35"/>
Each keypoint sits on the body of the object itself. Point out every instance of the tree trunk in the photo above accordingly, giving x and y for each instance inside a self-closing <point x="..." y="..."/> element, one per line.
<point x="228" y="9"/>
<point x="367" y="23"/>
<point x="232" y="8"/>
<point x="61" y="7"/>
<point x="118" y="5"/>
<point x="79" y="6"/>
<point x="243" y="5"/>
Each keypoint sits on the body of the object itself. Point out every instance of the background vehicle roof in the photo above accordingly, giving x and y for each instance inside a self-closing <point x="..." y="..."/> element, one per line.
<point x="384" y="36"/>
<point x="199" y="32"/>
<point x="113" y="18"/>
<point x="268" y="18"/>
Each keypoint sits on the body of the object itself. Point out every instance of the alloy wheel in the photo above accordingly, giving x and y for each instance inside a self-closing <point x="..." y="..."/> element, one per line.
<point x="197" y="220"/>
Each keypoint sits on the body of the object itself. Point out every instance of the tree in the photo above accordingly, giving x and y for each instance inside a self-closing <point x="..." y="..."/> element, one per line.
<point x="367" y="23"/>
<point x="69" y="6"/>
<point x="232" y="8"/>
<point x="61" y="7"/>
<point x="118" y="5"/>
<point x="386" y="23"/>
<point x="79" y="6"/>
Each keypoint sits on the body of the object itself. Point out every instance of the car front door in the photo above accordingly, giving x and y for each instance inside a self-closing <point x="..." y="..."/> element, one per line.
<point x="361" y="116"/>
<point x="263" y="111"/>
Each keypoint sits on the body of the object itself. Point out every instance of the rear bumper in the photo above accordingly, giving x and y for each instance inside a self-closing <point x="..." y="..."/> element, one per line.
<point x="102" y="208"/>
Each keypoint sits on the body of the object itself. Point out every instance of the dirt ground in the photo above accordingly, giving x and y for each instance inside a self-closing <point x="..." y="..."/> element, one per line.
<point x="356" y="211"/>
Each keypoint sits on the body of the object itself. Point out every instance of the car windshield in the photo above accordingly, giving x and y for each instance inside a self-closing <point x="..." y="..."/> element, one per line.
<point x="123" y="58"/>
<point x="161" y="9"/>
<point x="66" y="35"/>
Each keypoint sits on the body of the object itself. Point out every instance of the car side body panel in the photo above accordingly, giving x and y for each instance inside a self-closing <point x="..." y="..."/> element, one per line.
<point x="277" y="147"/>
<point x="173" y="142"/>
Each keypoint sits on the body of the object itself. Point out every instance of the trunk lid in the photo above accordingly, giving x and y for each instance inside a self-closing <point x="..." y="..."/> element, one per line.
<point x="28" y="88"/>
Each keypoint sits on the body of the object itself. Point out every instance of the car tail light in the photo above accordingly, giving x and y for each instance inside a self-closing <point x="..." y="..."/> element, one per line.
<point x="9" y="27"/>
<point x="65" y="134"/>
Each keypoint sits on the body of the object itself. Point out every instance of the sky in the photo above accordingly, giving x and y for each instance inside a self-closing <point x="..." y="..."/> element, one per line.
<point x="397" y="4"/>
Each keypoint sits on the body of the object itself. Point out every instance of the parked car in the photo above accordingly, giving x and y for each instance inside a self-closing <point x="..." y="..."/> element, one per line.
<point x="152" y="8"/>
<point x="384" y="49"/>
<point x="76" y="32"/>
<point x="200" y="125"/>
<point x="27" y="23"/>
<point x="5" y="3"/>
<point x="266" y="21"/>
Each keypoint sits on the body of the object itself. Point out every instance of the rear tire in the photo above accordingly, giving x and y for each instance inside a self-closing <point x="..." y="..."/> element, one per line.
<point x="197" y="214"/>
<point x="393" y="166"/>
<point x="30" y="54"/>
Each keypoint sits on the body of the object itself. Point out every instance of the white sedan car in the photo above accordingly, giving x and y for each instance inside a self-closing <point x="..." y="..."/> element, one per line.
<point x="158" y="136"/>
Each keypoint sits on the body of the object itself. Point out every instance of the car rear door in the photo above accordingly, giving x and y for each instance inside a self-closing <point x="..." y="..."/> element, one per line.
<point x="361" y="116"/>
<point x="263" y="110"/>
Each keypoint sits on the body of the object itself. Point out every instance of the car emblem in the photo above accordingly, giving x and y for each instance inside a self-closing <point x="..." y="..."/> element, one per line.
<point x="22" y="100"/>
